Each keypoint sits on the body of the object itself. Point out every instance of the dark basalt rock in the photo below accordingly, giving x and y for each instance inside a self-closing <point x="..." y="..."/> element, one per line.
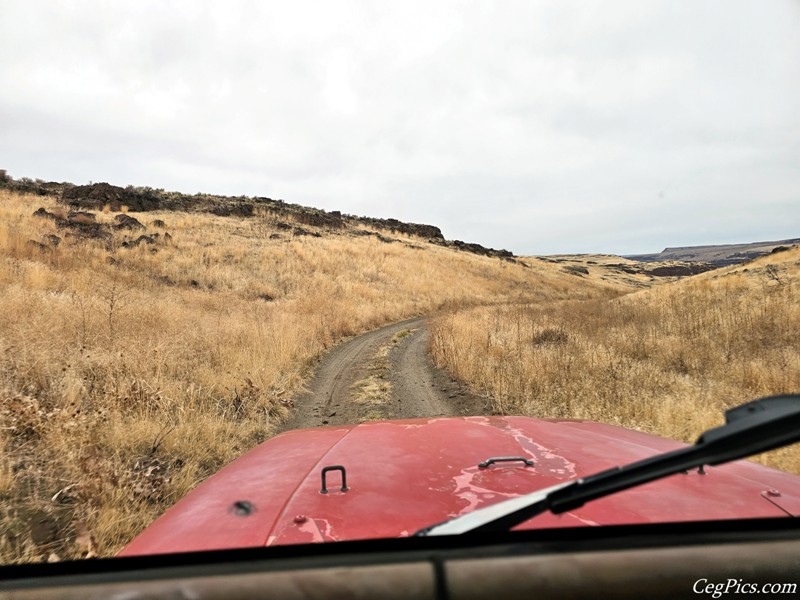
<point x="473" y="248"/>
<point x="43" y="214"/>
<point x="128" y="222"/>
<point x="142" y="239"/>
<point x="681" y="270"/>
<point x="416" y="229"/>
<point x="575" y="269"/>
<point x="85" y="229"/>
<point x="232" y="210"/>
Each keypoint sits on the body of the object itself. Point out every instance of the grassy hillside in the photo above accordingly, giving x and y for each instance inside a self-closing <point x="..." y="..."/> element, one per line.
<point x="608" y="269"/>
<point x="130" y="371"/>
<point x="666" y="360"/>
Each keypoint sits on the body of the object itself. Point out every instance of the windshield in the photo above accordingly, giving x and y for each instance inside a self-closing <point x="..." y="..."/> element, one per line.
<point x="239" y="242"/>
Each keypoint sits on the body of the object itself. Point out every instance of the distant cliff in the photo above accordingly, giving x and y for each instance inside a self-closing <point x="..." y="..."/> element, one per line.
<point x="720" y="255"/>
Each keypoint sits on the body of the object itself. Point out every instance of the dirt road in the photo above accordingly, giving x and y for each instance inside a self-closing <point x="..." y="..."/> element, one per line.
<point x="383" y="374"/>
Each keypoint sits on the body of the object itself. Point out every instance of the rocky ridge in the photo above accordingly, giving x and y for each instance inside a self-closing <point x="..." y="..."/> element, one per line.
<point x="100" y="196"/>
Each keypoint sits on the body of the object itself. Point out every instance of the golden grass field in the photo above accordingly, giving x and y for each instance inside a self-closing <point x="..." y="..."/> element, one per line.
<point x="666" y="360"/>
<point x="128" y="375"/>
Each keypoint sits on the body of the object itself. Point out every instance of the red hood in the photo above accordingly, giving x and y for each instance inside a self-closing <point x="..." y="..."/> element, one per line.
<point x="405" y="475"/>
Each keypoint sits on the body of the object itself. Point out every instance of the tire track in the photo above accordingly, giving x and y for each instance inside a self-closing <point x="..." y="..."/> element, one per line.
<point x="418" y="388"/>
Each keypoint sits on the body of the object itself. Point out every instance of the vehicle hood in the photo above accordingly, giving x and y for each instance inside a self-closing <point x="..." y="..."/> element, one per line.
<point x="405" y="475"/>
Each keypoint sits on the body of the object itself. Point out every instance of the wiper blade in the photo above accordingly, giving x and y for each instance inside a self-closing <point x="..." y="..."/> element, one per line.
<point x="751" y="428"/>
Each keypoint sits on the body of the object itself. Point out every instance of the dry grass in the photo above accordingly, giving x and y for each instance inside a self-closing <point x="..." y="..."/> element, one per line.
<point x="375" y="389"/>
<point x="127" y="375"/>
<point x="667" y="360"/>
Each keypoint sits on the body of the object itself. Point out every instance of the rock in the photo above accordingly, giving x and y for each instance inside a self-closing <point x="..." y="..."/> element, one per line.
<point x="681" y="270"/>
<point x="232" y="210"/>
<point x="416" y="229"/>
<point x="142" y="239"/>
<point x="575" y="270"/>
<point x="630" y="269"/>
<point x="42" y="213"/>
<point x="86" y="229"/>
<point x="158" y="223"/>
<point x="94" y="196"/>
<point x="77" y="216"/>
<point x="127" y="222"/>
<point x="52" y="239"/>
<point x="473" y="248"/>
<point x="98" y="195"/>
<point x="320" y="219"/>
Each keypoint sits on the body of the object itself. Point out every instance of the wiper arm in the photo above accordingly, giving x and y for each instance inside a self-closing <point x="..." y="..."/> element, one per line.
<point x="749" y="429"/>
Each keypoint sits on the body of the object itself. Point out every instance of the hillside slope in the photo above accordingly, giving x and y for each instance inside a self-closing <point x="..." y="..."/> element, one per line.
<point x="667" y="360"/>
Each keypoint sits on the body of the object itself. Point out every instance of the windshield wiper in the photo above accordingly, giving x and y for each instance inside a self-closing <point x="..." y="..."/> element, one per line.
<point x="749" y="429"/>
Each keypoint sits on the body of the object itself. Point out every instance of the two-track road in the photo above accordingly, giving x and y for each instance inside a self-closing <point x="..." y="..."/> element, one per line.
<point x="394" y="360"/>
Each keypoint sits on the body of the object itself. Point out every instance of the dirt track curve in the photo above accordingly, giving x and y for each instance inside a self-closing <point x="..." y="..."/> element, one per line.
<point x="393" y="362"/>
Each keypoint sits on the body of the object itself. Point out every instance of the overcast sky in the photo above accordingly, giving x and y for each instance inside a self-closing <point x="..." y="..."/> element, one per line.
<point x="540" y="127"/>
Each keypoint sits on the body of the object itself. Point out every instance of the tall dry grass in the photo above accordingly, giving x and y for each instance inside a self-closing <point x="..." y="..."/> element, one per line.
<point x="127" y="375"/>
<point x="668" y="360"/>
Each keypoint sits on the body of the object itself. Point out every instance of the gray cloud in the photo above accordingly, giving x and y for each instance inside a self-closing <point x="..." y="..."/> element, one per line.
<point x="535" y="126"/>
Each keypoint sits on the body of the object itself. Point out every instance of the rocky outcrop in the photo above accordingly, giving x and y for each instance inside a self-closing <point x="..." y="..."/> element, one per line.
<point x="416" y="229"/>
<point x="474" y="248"/>
<point x="320" y="218"/>
<point x="576" y="270"/>
<point x="87" y="230"/>
<point x="102" y="196"/>
<point x="232" y="209"/>
<point x="681" y="270"/>
<point x="98" y="195"/>
<point x="675" y="270"/>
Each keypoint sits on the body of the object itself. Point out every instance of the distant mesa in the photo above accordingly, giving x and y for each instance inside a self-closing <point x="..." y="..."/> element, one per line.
<point x="720" y="255"/>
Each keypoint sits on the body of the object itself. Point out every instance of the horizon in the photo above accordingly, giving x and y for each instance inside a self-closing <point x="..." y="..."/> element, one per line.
<point x="288" y="200"/>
